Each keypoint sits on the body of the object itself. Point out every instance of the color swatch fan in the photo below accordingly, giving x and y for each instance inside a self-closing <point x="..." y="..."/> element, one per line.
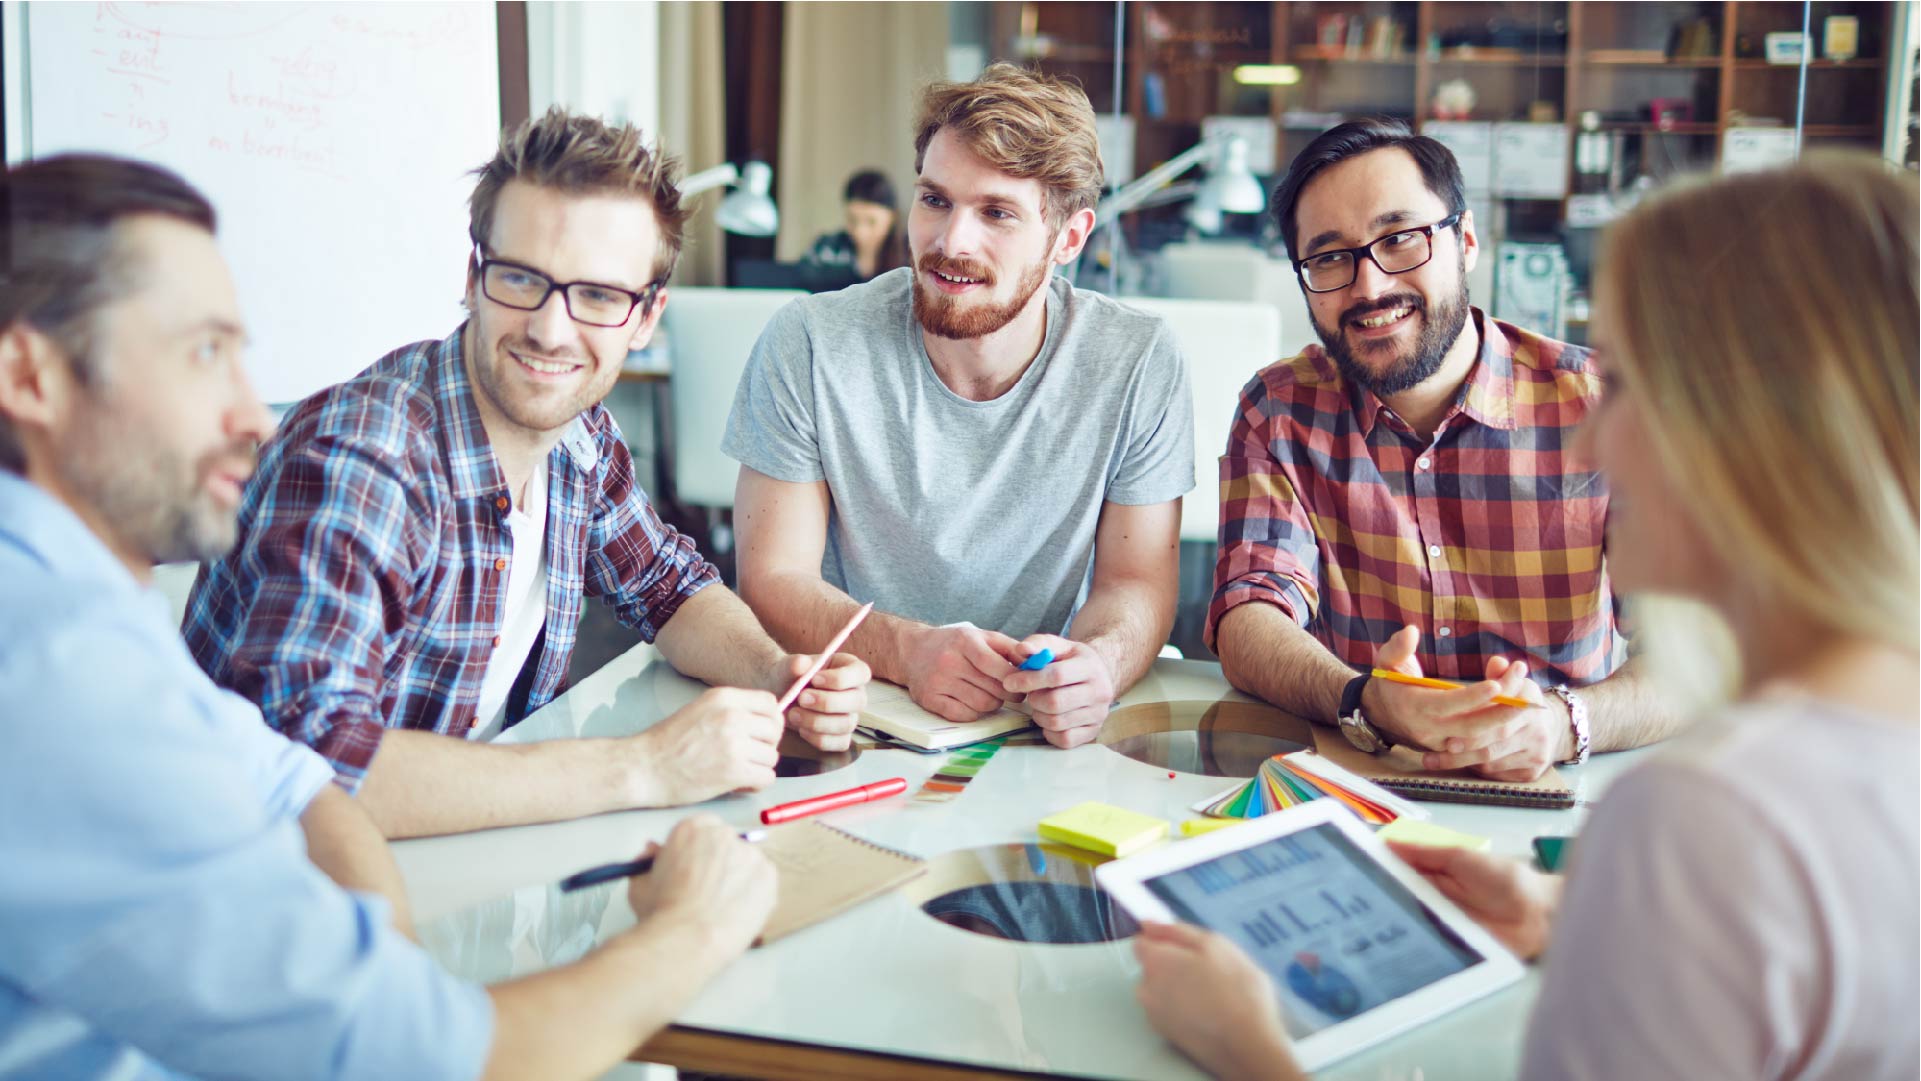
<point x="1299" y="776"/>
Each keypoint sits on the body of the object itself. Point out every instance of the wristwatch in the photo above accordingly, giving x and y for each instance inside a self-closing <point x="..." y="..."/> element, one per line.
<point x="1364" y="736"/>
<point x="1576" y="718"/>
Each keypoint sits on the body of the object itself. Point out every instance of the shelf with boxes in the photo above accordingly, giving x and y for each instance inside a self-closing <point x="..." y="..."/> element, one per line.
<point x="1562" y="110"/>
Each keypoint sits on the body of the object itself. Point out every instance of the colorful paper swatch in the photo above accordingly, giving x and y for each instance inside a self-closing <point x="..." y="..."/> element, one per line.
<point x="954" y="774"/>
<point x="1289" y="779"/>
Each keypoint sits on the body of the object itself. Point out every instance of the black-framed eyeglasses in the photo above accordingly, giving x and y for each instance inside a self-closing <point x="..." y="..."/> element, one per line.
<point x="1396" y="253"/>
<point x="523" y="288"/>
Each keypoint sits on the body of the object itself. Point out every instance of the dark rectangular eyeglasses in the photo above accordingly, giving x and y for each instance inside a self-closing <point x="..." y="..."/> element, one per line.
<point x="523" y="288"/>
<point x="1395" y="253"/>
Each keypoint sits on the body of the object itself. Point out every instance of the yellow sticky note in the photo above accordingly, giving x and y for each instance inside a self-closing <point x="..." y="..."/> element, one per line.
<point x="1410" y="831"/>
<point x="1194" y="827"/>
<point x="1103" y="828"/>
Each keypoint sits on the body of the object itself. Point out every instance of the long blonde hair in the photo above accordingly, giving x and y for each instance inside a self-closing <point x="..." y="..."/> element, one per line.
<point x="1767" y="324"/>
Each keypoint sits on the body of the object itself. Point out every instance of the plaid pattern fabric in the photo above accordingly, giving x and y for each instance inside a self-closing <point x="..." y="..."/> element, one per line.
<point x="364" y="592"/>
<point x="1489" y="539"/>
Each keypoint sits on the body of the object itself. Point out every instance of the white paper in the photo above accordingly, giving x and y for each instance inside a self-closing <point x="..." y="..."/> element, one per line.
<point x="1473" y="145"/>
<point x="1530" y="160"/>
<point x="1747" y="150"/>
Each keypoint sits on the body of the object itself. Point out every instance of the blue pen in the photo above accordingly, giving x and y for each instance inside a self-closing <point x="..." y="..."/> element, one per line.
<point x="1038" y="661"/>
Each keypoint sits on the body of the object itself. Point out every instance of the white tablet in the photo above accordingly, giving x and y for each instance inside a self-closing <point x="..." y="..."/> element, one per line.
<point x="1360" y="947"/>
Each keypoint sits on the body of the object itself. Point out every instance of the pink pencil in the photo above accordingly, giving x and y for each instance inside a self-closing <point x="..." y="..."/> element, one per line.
<point x="821" y="661"/>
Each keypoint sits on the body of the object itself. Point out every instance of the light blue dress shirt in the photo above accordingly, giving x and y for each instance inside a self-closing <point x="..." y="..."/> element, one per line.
<point x="158" y="914"/>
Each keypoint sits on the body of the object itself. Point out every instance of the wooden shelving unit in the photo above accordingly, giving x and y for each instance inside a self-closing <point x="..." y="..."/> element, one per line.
<point x="1571" y="57"/>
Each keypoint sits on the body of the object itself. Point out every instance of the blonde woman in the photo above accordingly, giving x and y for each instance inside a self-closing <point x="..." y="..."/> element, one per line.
<point x="1745" y="904"/>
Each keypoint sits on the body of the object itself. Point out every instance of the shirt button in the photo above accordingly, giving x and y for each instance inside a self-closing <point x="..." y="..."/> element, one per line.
<point x="500" y="564"/>
<point x="1434" y="551"/>
<point x="1420" y="463"/>
<point x="497" y="640"/>
<point x="501" y="502"/>
<point x="1446" y="632"/>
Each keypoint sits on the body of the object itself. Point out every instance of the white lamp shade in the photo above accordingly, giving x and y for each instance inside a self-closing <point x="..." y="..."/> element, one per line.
<point x="748" y="214"/>
<point x="1230" y="184"/>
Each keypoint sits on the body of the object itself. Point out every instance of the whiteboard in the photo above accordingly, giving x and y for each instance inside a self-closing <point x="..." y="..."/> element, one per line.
<point x="333" y="140"/>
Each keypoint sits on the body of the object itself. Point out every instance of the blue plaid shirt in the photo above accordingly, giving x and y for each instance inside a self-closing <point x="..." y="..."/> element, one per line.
<point x="365" y="590"/>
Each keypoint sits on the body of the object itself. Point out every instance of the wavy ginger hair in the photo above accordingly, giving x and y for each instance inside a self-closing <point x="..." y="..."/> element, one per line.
<point x="1027" y="125"/>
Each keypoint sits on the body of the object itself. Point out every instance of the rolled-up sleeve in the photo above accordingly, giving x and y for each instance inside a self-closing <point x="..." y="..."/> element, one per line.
<point x="1268" y="551"/>
<point x="161" y="892"/>
<point x="639" y="565"/>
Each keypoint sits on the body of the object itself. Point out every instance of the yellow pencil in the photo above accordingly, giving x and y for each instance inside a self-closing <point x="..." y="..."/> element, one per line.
<point x="1444" y="685"/>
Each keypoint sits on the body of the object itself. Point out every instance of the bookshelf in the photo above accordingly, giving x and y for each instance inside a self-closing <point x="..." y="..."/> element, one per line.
<point x="1522" y="60"/>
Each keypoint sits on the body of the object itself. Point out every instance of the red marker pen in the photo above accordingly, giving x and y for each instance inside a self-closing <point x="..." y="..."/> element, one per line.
<point x="801" y="808"/>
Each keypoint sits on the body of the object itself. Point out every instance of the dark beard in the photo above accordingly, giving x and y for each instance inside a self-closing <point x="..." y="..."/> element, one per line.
<point x="1439" y="329"/>
<point x="942" y="317"/>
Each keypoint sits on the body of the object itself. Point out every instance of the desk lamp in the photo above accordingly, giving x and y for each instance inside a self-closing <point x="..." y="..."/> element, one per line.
<point x="747" y="210"/>
<point x="1229" y="186"/>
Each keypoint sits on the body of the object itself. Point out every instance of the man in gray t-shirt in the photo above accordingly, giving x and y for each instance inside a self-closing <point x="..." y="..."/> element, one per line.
<point x="992" y="456"/>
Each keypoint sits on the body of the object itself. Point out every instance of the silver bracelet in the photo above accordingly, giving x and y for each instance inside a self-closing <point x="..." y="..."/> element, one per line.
<point x="1577" y="719"/>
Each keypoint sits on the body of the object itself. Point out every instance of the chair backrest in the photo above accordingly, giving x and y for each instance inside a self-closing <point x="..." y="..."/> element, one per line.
<point x="710" y="333"/>
<point x="176" y="584"/>
<point x="1201" y="271"/>
<point x="1224" y="343"/>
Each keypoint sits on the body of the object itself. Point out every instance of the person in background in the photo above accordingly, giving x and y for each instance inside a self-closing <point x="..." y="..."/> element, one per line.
<point x="1403" y="495"/>
<point x="418" y="543"/>
<point x="991" y="456"/>
<point x="1744" y="905"/>
<point x="186" y="891"/>
<point x="872" y="243"/>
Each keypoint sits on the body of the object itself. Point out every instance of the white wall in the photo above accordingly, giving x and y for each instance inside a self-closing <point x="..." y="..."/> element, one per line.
<point x="596" y="58"/>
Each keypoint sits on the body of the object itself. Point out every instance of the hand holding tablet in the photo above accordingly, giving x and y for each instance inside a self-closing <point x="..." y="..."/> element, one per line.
<point x="1357" y="945"/>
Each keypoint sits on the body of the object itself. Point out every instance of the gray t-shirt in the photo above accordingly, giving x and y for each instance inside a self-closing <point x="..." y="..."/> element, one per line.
<point x="946" y="510"/>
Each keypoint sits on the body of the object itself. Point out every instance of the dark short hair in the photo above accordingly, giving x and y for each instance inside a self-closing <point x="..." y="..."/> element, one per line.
<point x="869" y="186"/>
<point x="1352" y="139"/>
<point x="60" y="263"/>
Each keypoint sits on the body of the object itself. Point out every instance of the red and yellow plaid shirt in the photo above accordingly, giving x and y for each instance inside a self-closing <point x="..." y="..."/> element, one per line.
<point x="1488" y="537"/>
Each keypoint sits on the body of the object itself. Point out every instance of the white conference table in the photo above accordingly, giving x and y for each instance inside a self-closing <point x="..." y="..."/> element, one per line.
<point x="886" y="990"/>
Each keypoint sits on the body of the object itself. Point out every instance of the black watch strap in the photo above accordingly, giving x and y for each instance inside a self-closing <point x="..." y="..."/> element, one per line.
<point x="1351" y="694"/>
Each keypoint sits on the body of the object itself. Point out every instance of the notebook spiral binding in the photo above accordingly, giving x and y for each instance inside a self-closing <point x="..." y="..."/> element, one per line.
<point x="865" y="842"/>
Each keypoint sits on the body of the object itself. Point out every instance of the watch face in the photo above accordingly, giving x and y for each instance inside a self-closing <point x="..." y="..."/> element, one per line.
<point x="1361" y="734"/>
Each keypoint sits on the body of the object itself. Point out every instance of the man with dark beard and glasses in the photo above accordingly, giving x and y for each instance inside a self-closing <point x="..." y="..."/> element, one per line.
<point x="992" y="456"/>
<point x="1401" y="496"/>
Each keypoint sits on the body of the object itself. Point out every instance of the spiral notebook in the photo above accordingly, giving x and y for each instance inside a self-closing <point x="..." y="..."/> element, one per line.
<point x="1399" y="771"/>
<point x="825" y="871"/>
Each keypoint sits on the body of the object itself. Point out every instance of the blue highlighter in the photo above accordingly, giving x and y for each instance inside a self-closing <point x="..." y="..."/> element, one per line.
<point x="1038" y="661"/>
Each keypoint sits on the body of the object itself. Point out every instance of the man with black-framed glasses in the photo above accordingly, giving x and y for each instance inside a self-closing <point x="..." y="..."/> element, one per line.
<point x="1400" y="496"/>
<point x="417" y="543"/>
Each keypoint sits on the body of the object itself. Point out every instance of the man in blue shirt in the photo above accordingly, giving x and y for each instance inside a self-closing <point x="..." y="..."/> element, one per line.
<point x="185" y="893"/>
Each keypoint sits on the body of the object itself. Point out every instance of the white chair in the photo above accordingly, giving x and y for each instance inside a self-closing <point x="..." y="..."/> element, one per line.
<point x="1202" y="271"/>
<point x="176" y="584"/>
<point x="710" y="333"/>
<point x="1224" y="343"/>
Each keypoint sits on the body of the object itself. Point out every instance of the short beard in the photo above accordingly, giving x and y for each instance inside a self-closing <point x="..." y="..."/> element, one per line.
<point x="154" y="500"/>
<point x="1439" y="330"/>
<point x="943" y="317"/>
<point x="485" y="372"/>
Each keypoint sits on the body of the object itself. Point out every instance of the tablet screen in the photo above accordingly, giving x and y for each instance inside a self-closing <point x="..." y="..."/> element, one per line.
<point x="1333" y="928"/>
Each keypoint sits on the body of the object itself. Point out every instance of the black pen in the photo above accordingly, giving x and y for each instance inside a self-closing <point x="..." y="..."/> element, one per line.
<point x="607" y="872"/>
